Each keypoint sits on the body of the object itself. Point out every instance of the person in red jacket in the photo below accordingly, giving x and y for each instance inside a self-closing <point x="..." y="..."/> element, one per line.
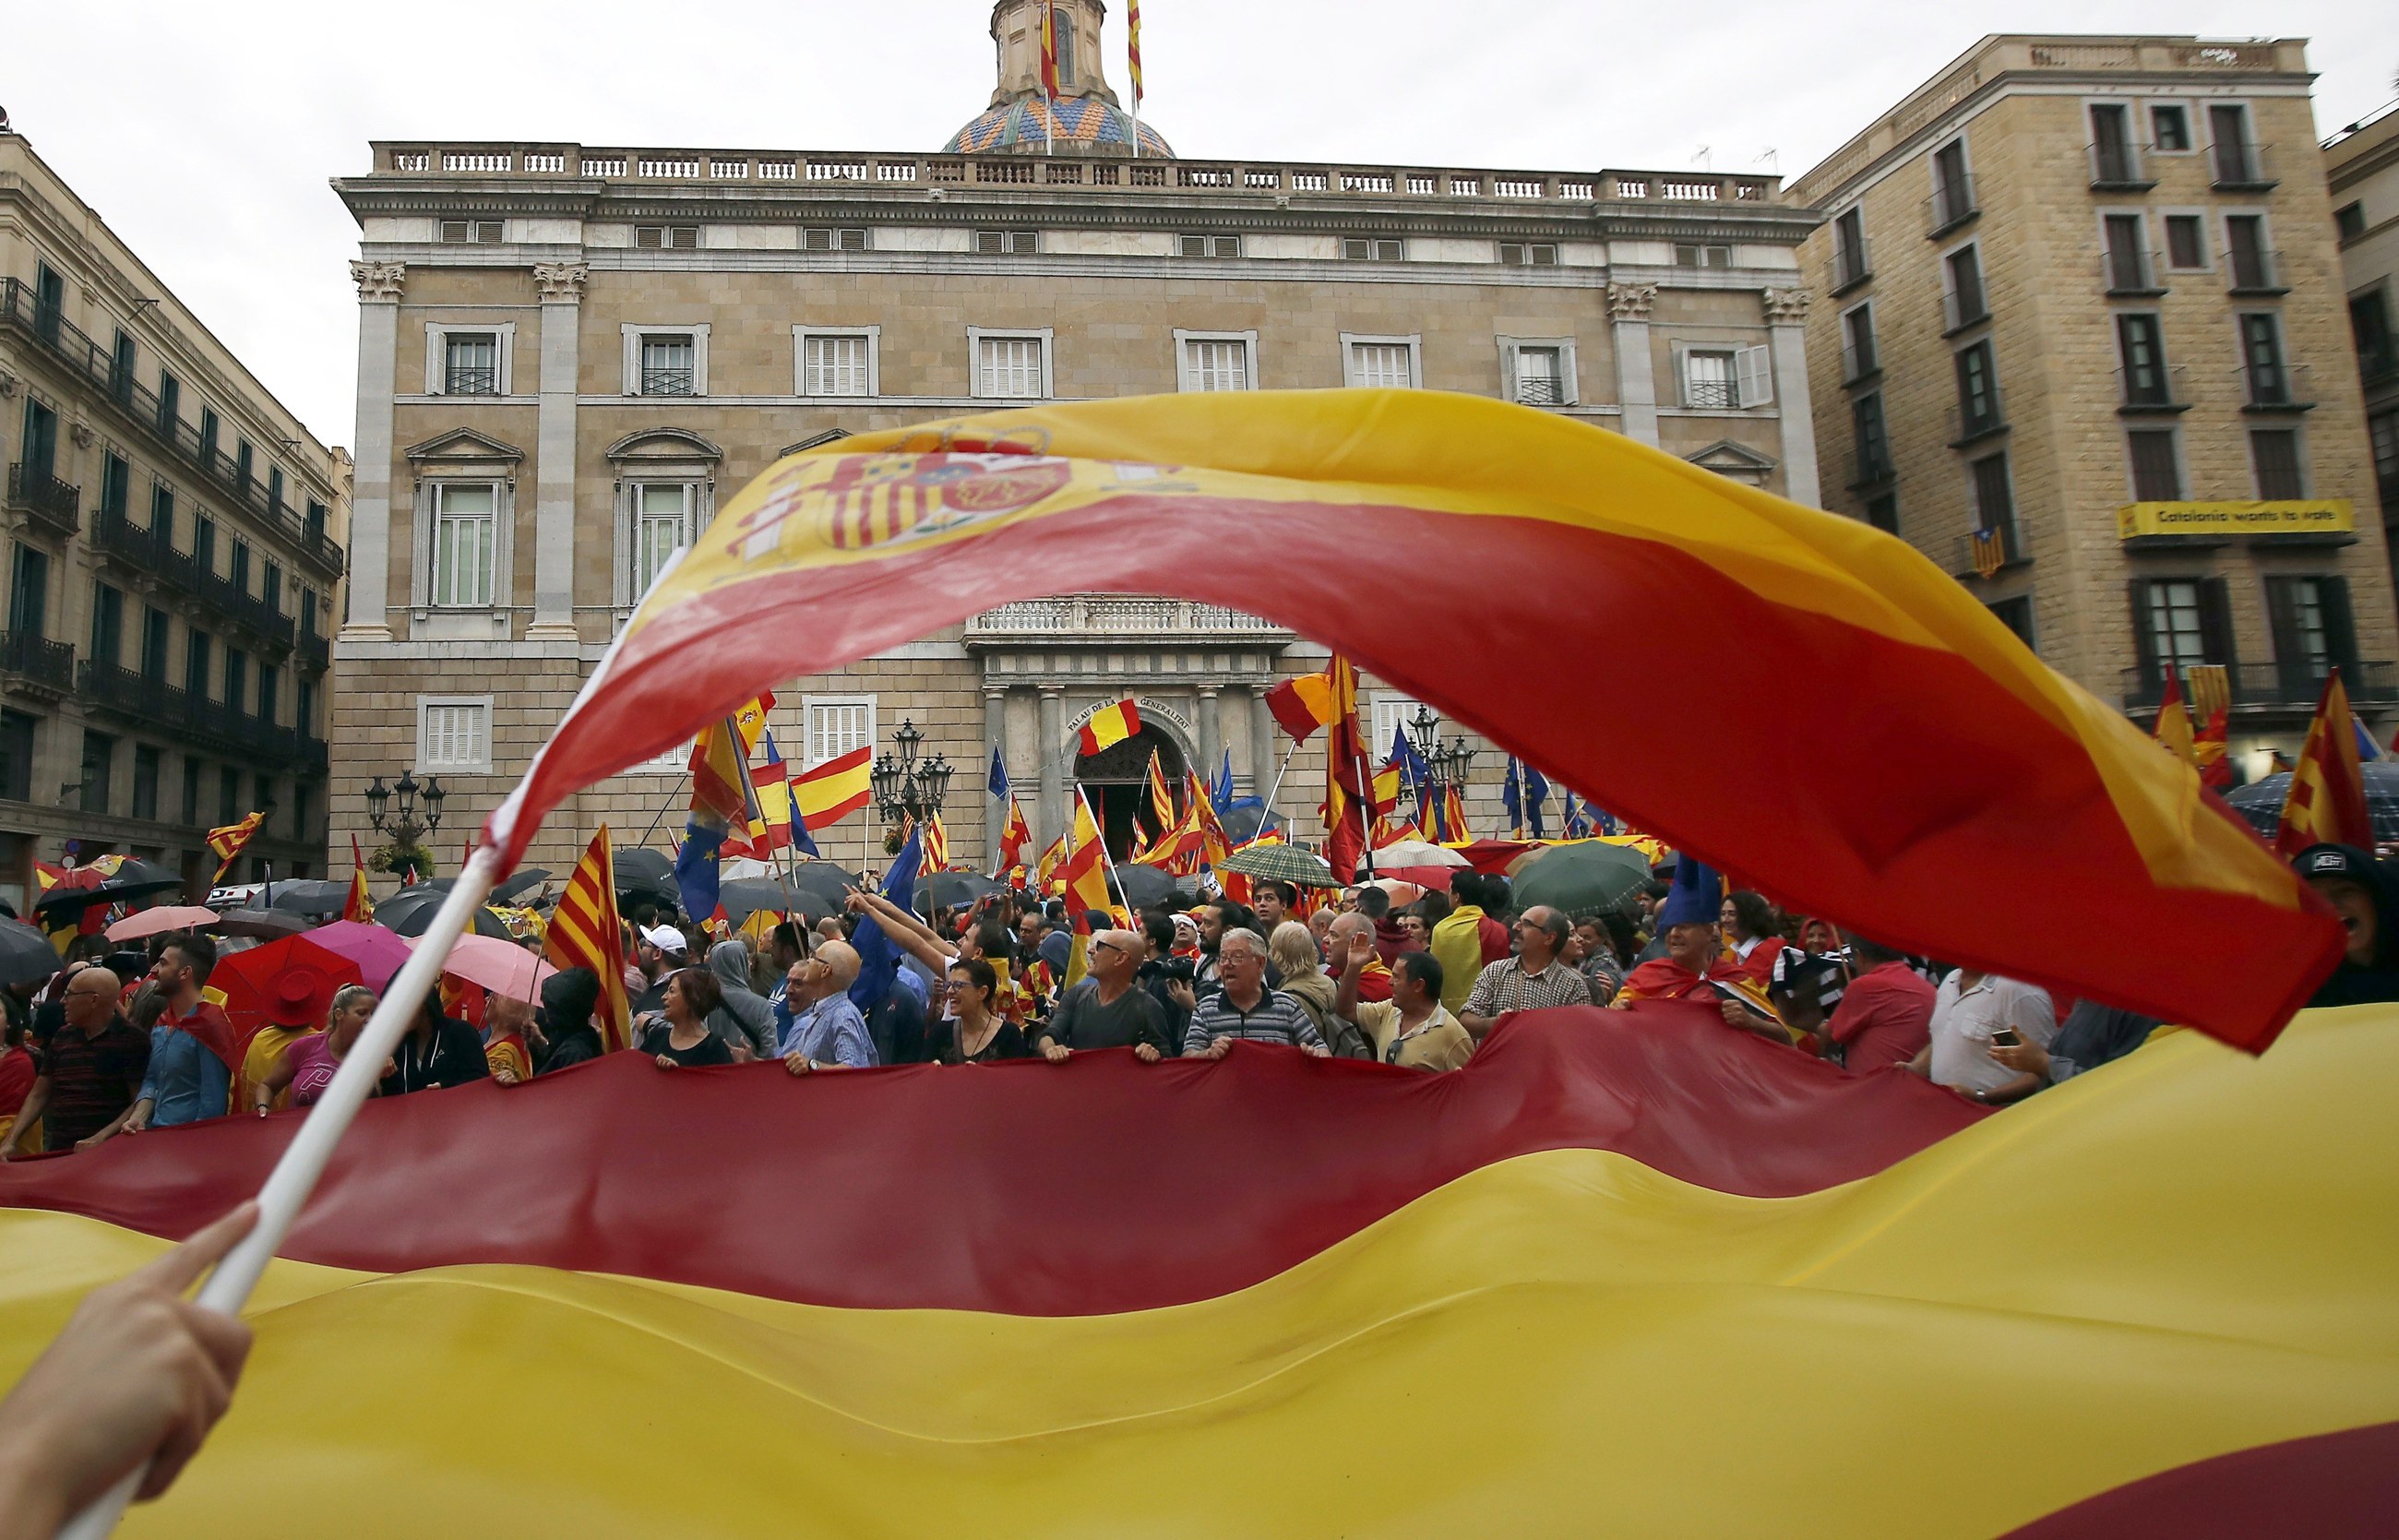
<point x="1885" y="1017"/>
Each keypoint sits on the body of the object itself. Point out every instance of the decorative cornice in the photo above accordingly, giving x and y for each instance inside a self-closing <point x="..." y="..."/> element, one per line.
<point x="1631" y="301"/>
<point x="561" y="282"/>
<point x="1786" y="307"/>
<point x="379" y="280"/>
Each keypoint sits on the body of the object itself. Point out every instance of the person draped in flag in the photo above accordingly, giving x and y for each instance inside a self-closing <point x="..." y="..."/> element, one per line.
<point x="1688" y="921"/>
<point x="193" y="1051"/>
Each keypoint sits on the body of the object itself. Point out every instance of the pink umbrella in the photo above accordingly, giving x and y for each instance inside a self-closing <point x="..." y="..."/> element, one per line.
<point x="150" y="922"/>
<point x="503" y="967"/>
<point x="378" y="952"/>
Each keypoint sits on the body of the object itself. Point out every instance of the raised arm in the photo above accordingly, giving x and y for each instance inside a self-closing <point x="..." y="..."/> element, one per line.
<point x="910" y="933"/>
<point x="1345" y="991"/>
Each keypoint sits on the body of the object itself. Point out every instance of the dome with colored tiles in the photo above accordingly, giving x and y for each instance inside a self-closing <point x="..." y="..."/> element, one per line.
<point x="1024" y="124"/>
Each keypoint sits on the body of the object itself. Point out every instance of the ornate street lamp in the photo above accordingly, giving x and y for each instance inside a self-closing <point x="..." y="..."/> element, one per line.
<point x="905" y="788"/>
<point x="404" y="825"/>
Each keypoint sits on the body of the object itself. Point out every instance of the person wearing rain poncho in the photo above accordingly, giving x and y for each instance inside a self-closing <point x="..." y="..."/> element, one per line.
<point x="1694" y="953"/>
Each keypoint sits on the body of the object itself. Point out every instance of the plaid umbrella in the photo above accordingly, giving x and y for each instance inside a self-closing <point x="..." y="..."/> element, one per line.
<point x="1284" y="862"/>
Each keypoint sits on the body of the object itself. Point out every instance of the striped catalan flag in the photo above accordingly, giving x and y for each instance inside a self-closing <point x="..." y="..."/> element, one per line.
<point x="937" y="844"/>
<point x="1161" y="800"/>
<point x="585" y="932"/>
<point x="835" y="789"/>
<point x="229" y="842"/>
<point x="1110" y="725"/>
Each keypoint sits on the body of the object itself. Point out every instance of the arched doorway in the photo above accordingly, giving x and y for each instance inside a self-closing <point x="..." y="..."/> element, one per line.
<point x="1116" y="780"/>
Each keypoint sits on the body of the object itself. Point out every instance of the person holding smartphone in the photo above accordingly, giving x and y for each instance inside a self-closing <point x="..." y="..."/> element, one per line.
<point x="1973" y="1013"/>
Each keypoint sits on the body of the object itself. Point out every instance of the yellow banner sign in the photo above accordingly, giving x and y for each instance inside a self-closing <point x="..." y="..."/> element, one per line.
<point x="2314" y="516"/>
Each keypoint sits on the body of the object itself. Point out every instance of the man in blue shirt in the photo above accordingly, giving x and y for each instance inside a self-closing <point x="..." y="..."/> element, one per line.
<point x="817" y="1025"/>
<point x="190" y="1048"/>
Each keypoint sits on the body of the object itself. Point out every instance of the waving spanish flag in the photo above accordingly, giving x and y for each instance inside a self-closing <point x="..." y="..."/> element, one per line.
<point x="358" y="905"/>
<point x="1110" y="725"/>
<point x="1013" y="837"/>
<point x="2137" y="892"/>
<point x="835" y="789"/>
<point x="1302" y="705"/>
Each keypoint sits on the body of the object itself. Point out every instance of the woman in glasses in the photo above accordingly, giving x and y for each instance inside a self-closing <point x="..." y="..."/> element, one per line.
<point x="977" y="1034"/>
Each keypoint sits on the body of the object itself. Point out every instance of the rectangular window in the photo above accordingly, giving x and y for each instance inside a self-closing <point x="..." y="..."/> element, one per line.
<point x="2275" y="454"/>
<point x="245" y="464"/>
<point x="2176" y="629"/>
<point x="304" y="709"/>
<point x="834" y="240"/>
<point x="1994" y="502"/>
<point x="29" y="592"/>
<point x="1964" y="272"/>
<point x="2313" y="633"/>
<point x="2157" y="471"/>
<point x="2016" y="615"/>
<point x="212" y="429"/>
<point x="1978" y="391"/>
<point x="1707" y="379"/>
<point x="1209" y="245"/>
<point x="2349" y="221"/>
<point x="1008" y="368"/>
<point x="1858" y="343"/>
<point x="2128" y="262"/>
<point x="2113" y="162"/>
<point x="1882" y="512"/>
<point x="107" y="624"/>
<point x="98" y="768"/>
<point x="240" y="574"/>
<point x="1382" y="366"/>
<point x="454" y="735"/>
<point x="2185" y="242"/>
<point x="1702" y="256"/>
<point x="2141" y="351"/>
<point x="120" y="366"/>
<point x="1541" y="377"/>
<point x="170" y="403"/>
<point x="472" y="232"/>
<point x="154" y="642"/>
<point x="307" y="612"/>
<point x="1216" y="363"/>
<point x="145" y="782"/>
<point x="2261" y="359"/>
<point x="301" y="811"/>
<point x="2244" y="253"/>
<point x="1536" y="254"/>
<point x="1007" y="243"/>
<point x="270" y="587"/>
<point x="162" y="511"/>
<point x="465" y="543"/>
<point x="192" y="790"/>
<point x="1871" y="446"/>
<point x="116" y="484"/>
<point x="270" y="685"/>
<point x="196" y="665"/>
<point x="1953" y="191"/>
<point x="470" y="363"/>
<point x="228" y="795"/>
<point x="666" y="366"/>
<point x="16" y="756"/>
<point x="838" y="726"/>
<point x="1361" y="249"/>
<point x="662" y="520"/>
<point x="836" y="365"/>
<point x="204" y="542"/>
<point x="1850" y="264"/>
<point x="2235" y="160"/>
<point x="665" y="237"/>
<point x="2170" y="128"/>
<point x="2369" y="326"/>
<point x="2382" y="431"/>
<point x="237" y="680"/>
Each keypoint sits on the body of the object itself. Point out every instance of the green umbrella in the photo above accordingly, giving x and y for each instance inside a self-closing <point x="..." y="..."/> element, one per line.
<point x="1581" y="879"/>
<point x="1282" y="863"/>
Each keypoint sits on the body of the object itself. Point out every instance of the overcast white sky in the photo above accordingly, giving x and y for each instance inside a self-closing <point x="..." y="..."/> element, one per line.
<point x="205" y="134"/>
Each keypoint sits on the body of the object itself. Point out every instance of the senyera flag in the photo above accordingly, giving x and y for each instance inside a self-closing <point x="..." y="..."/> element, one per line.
<point x="1954" y="797"/>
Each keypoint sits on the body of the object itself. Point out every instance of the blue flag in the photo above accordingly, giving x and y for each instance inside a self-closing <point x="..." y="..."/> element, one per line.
<point x="1511" y="800"/>
<point x="2366" y="747"/>
<point x="998" y="776"/>
<point x="1222" y="792"/>
<point x="878" y="960"/>
<point x="695" y="867"/>
<point x="1537" y="792"/>
<point x="1578" y="818"/>
<point x="1412" y="769"/>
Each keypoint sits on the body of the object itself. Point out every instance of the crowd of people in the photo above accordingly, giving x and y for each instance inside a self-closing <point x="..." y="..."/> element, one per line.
<point x="117" y="1044"/>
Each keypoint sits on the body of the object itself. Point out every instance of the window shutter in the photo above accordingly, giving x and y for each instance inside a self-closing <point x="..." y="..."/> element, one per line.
<point x="1754" y="368"/>
<point x="2340" y="631"/>
<point x="2216" y="622"/>
<point x="2145" y="640"/>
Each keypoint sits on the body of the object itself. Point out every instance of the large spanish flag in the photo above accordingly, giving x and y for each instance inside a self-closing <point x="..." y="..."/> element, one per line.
<point x="1631" y="1274"/>
<point x="1110" y="725"/>
<point x="831" y="791"/>
<point x="1973" y="804"/>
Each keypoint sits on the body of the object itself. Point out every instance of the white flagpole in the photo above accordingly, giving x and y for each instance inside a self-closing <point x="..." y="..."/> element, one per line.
<point x="305" y="1158"/>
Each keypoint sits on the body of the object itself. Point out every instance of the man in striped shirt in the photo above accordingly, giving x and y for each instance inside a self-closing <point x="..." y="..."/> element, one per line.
<point x="1246" y="1010"/>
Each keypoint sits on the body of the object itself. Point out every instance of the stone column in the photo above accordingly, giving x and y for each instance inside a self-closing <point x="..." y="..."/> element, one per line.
<point x="553" y="551"/>
<point x="1262" y="740"/>
<point x="1211" y="731"/>
<point x="995" y="741"/>
<point x="1637" y="374"/>
<point x="1786" y="315"/>
<point x="379" y="290"/>
<point x="1053" y="763"/>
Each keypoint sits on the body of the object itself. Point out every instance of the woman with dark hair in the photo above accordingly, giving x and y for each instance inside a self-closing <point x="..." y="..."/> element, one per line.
<point x="436" y="1052"/>
<point x="1751" y="932"/>
<point x="978" y="1034"/>
<point x="683" y="1040"/>
<point x="568" y="999"/>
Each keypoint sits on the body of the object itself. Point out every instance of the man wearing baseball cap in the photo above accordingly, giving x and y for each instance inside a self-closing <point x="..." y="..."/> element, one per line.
<point x="2358" y="887"/>
<point x="657" y="951"/>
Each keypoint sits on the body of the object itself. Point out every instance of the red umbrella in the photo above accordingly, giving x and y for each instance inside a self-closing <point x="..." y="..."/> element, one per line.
<point x="290" y="982"/>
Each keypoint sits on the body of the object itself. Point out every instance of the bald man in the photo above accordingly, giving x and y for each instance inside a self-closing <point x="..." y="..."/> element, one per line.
<point x="817" y="1026"/>
<point x="1374" y="978"/>
<point x="92" y="1069"/>
<point x="1105" y="1011"/>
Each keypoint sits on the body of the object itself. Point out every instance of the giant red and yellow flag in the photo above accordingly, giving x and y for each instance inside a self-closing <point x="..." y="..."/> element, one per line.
<point x="835" y="789"/>
<point x="1610" y="1243"/>
<point x="1109" y="726"/>
<point x="2140" y="893"/>
<point x="229" y="842"/>
<point x="2326" y="803"/>
<point x="585" y="932"/>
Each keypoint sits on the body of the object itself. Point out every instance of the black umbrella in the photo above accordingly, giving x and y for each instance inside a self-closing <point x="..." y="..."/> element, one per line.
<point x="133" y="870"/>
<point x="418" y="919"/>
<point x="951" y="889"/>
<point x="833" y="882"/>
<point x="746" y="895"/>
<point x="264" y="924"/>
<point x="65" y="903"/>
<point x="1241" y="821"/>
<point x="2261" y="801"/>
<point x="1144" y="884"/>
<point x="642" y="864"/>
<point x="26" y="955"/>
<point x="311" y="898"/>
<point x="524" y="881"/>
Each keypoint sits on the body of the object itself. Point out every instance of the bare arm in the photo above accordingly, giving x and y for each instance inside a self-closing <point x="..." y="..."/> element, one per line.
<point x="28" y="1115"/>
<point x="911" y="933"/>
<point x="1345" y="992"/>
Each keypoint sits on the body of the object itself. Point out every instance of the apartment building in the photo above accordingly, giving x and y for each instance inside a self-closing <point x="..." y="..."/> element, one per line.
<point x="174" y="546"/>
<point x="2362" y="175"/>
<point x="570" y="355"/>
<point x="2083" y="294"/>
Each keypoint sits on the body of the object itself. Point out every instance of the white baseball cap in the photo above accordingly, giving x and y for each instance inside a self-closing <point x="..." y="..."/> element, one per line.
<point x="665" y="938"/>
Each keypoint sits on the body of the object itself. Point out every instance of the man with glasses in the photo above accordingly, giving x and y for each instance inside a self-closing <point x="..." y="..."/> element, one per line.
<point x="1536" y="978"/>
<point x="816" y="1024"/>
<point x="1410" y="1030"/>
<point x="1105" y="1011"/>
<point x="90" y="1069"/>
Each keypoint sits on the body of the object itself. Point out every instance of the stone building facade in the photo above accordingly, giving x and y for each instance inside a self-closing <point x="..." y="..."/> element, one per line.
<point x="2083" y="292"/>
<point x="2362" y="174"/>
<point x="570" y="356"/>
<point x="174" y="555"/>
